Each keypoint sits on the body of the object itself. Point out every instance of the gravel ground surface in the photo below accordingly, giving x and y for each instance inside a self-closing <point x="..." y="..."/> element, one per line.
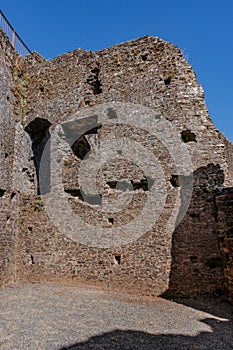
<point x="49" y="317"/>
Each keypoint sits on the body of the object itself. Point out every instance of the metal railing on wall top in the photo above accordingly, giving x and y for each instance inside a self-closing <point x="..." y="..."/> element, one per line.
<point x="14" y="38"/>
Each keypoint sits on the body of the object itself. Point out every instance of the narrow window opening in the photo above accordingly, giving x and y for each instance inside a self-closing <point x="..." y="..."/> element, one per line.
<point x="29" y="174"/>
<point x="144" y="57"/>
<point x="195" y="216"/>
<point x="214" y="263"/>
<point x="32" y="259"/>
<point x="142" y="184"/>
<point x="112" y="184"/>
<point x="167" y="81"/>
<point x="2" y="192"/>
<point x="193" y="259"/>
<point x="175" y="181"/>
<point x="111" y="221"/>
<point x="188" y="136"/>
<point x="117" y="259"/>
<point x="13" y="195"/>
<point x="95" y="70"/>
<point x="95" y="82"/>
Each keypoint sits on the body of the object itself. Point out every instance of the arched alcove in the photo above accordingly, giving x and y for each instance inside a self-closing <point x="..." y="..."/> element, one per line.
<point x="38" y="130"/>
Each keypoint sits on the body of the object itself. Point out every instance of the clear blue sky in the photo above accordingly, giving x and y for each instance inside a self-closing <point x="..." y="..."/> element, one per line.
<point x="203" y="29"/>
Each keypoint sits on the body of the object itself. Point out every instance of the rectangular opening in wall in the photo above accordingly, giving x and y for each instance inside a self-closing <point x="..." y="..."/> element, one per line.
<point x="2" y="192"/>
<point x="13" y="195"/>
<point x="111" y="221"/>
<point x="193" y="259"/>
<point x="195" y="216"/>
<point x="117" y="259"/>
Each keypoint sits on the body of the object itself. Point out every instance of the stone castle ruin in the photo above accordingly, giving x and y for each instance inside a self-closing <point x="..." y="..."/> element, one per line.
<point x="191" y="257"/>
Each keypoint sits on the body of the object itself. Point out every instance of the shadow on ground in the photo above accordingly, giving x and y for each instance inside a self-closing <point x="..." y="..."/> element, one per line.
<point x="219" y="338"/>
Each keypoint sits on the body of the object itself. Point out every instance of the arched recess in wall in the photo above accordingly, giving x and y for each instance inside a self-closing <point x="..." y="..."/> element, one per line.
<point x="38" y="130"/>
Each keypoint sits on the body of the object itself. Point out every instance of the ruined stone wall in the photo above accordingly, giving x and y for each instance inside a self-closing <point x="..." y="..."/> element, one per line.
<point x="147" y="72"/>
<point x="224" y="205"/>
<point x="10" y="64"/>
<point x="152" y="73"/>
<point x="229" y="158"/>
<point x="196" y="257"/>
